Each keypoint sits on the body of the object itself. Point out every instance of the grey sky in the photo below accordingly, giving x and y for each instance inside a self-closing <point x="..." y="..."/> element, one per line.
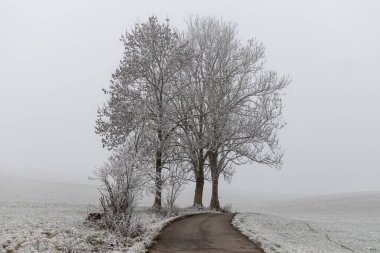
<point x="56" y="55"/>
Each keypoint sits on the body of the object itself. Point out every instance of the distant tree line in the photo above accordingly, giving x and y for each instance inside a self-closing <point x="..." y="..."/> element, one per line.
<point x="188" y="106"/>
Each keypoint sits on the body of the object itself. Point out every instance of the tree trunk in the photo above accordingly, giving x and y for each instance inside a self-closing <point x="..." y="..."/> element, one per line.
<point x="214" y="204"/>
<point x="158" y="182"/>
<point x="199" y="183"/>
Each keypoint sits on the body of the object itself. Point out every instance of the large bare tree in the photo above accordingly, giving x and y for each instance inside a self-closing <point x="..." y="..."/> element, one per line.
<point x="142" y="90"/>
<point x="242" y="100"/>
<point x="193" y="106"/>
<point x="203" y="99"/>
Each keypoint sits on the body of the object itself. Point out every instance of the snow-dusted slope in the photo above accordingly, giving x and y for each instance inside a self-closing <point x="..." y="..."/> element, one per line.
<point x="334" y="223"/>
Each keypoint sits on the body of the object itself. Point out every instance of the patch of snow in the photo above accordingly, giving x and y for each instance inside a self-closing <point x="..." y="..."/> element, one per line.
<point x="335" y="223"/>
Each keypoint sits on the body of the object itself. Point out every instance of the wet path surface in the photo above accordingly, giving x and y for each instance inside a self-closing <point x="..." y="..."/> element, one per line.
<point x="210" y="232"/>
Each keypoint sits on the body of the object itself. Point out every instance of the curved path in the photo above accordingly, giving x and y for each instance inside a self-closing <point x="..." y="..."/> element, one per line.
<point x="211" y="232"/>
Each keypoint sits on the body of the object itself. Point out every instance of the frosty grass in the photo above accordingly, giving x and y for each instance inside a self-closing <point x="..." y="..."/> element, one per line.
<point x="54" y="227"/>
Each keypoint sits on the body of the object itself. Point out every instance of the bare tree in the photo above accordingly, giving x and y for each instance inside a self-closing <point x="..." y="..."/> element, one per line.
<point x="122" y="183"/>
<point x="242" y="99"/>
<point x="174" y="182"/>
<point x="192" y="139"/>
<point x="142" y="91"/>
<point x="203" y="99"/>
<point x="193" y="105"/>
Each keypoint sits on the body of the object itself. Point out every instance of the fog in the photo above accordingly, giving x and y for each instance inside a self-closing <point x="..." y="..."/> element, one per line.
<point x="55" y="56"/>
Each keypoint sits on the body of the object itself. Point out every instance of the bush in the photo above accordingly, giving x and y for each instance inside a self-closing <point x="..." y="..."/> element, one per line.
<point x="122" y="182"/>
<point x="227" y="208"/>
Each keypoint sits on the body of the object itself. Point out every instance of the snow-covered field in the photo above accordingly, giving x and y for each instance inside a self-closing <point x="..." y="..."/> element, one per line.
<point x="335" y="223"/>
<point x="49" y="217"/>
<point x="53" y="227"/>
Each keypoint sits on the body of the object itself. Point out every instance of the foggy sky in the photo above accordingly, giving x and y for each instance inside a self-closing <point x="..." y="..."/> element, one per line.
<point x="55" y="56"/>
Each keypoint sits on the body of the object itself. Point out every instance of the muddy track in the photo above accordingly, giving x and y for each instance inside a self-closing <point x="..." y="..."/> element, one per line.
<point x="211" y="232"/>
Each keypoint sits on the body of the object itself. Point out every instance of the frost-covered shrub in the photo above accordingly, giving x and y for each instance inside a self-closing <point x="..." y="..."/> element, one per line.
<point x="122" y="180"/>
<point x="227" y="208"/>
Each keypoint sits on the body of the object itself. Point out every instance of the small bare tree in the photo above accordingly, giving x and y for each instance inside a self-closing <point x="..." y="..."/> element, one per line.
<point x="176" y="179"/>
<point x="122" y="181"/>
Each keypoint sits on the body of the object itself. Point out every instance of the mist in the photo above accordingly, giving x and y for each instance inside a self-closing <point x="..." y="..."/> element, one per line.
<point x="55" y="58"/>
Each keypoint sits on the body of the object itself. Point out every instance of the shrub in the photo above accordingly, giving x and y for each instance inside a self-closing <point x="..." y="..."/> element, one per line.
<point x="122" y="181"/>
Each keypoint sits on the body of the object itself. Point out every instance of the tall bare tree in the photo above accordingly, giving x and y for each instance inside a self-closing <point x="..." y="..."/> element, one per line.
<point x="203" y="99"/>
<point x="193" y="141"/>
<point x="193" y="105"/>
<point x="142" y="90"/>
<point x="242" y="99"/>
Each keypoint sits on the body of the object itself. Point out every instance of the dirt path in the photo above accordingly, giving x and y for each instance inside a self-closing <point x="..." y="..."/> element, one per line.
<point x="203" y="233"/>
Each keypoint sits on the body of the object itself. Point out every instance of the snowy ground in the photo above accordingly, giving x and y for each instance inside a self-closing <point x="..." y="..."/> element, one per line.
<point x="53" y="227"/>
<point x="335" y="223"/>
<point x="49" y="217"/>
